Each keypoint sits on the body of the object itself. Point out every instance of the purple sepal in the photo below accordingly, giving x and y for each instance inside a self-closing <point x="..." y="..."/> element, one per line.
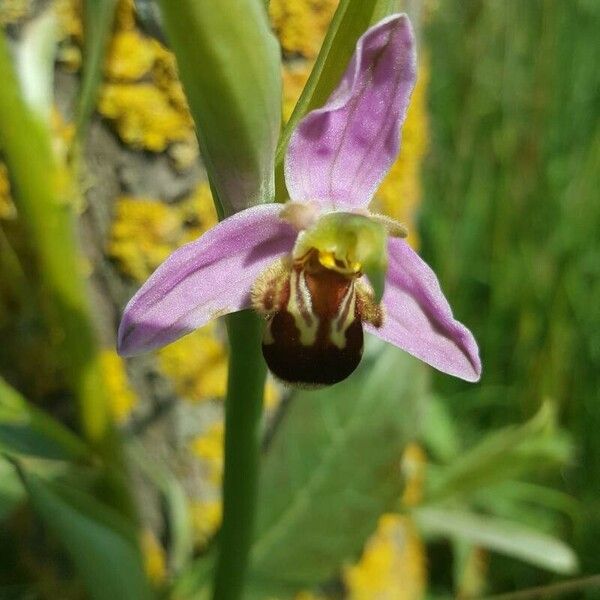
<point x="419" y="319"/>
<point x="338" y="154"/>
<point x="204" y="279"/>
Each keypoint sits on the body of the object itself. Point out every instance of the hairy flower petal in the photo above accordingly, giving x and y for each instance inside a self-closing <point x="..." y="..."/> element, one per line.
<point x="209" y="277"/>
<point x="418" y="318"/>
<point x="339" y="153"/>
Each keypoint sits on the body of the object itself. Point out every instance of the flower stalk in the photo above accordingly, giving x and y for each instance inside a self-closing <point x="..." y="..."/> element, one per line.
<point x="243" y="408"/>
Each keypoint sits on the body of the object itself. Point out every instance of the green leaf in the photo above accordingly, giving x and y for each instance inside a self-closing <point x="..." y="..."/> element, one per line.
<point x="527" y="502"/>
<point x="195" y="582"/>
<point x="27" y="430"/>
<point x="499" y="535"/>
<point x="333" y="468"/>
<point x="11" y="489"/>
<point x="229" y="63"/>
<point x="177" y="514"/>
<point x="101" y="544"/>
<point x="41" y="195"/>
<point x="440" y="434"/>
<point x="503" y="454"/>
<point x="98" y="19"/>
<point x="351" y="19"/>
<point x="462" y="554"/>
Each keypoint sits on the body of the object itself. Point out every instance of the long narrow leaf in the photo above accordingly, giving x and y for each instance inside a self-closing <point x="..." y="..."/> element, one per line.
<point x="229" y="63"/>
<point x="42" y="198"/>
<point x="11" y="489"/>
<point x="506" y="537"/>
<point x="100" y="543"/>
<point x="502" y="454"/>
<point x="176" y="505"/>
<point x="27" y="430"/>
<point x="98" y="20"/>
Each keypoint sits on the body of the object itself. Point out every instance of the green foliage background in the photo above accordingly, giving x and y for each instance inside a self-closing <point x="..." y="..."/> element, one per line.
<point x="511" y="219"/>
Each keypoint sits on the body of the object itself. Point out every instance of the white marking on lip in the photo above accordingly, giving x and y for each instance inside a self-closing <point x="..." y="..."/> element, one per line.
<point x="301" y="309"/>
<point x="344" y="318"/>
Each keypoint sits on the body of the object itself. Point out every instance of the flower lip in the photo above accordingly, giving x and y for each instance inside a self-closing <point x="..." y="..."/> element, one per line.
<point x="313" y="334"/>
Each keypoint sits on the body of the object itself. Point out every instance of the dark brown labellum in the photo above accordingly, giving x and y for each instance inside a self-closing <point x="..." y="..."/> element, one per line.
<point x="314" y="365"/>
<point x="316" y="337"/>
<point x="314" y="315"/>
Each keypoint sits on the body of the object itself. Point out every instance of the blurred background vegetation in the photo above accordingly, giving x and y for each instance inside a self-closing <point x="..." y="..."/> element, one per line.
<point x="411" y="484"/>
<point x="511" y="219"/>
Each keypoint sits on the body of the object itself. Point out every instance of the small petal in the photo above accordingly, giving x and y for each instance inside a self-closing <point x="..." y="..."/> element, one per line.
<point x="207" y="278"/>
<point x="419" y="319"/>
<point x="339" y="153"/>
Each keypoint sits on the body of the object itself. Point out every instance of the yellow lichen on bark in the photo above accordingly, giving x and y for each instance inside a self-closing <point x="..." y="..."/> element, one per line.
<point x="143" y="115"/>
<point x="206" y="518"/>
<point x="392" y="566"/>
<point x="301" y="24"/>
<point x="197" y="213"/>
<point x="125" y="15"/>
<point x="142" y="95"/>
<point x="146" y="230"/>
<point x="295" y="76"/>
<point x="196" y="364"/>
<point x="69" y="14"/>
<point x="121" y="397"/>
<point x="130" y="55"/>
<point x="12" y="11"/>
<point x="209" y="448"/>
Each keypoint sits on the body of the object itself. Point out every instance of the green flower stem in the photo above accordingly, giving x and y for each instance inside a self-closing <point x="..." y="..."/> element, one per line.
<point x="243" y="408"/>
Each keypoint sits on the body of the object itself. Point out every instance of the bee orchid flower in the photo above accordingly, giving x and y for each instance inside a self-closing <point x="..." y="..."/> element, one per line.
<point x="320" y="267"/>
